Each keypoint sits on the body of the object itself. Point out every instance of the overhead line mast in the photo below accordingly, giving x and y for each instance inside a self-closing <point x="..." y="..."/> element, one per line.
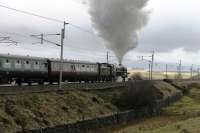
<point x="61" y="54"/>
<point x="7" y="40"/>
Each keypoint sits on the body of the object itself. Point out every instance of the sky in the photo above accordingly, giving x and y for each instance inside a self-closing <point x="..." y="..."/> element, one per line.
<point x="172" y="31"/>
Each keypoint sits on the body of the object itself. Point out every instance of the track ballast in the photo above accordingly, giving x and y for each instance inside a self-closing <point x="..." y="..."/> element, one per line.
<point x="14" y="90"/>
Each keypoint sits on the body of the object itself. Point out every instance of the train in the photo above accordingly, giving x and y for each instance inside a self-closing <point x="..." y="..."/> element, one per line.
<point x="27" y="69"/>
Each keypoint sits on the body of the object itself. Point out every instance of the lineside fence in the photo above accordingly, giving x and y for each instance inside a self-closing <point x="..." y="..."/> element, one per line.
<point x="111" y="120"/>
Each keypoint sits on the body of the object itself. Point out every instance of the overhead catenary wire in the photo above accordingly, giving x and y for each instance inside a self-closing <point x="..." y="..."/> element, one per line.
<point x="32" y="14"/>
<point x="7" y="40"/>
<point x="43" y="17"/>
<point x="15" y="34"/>
<point x="83" y="49"/>
<point x="80" y="28"/>
<point x="46" y="18"/>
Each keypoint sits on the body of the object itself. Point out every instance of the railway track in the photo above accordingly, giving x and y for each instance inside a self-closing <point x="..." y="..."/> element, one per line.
<point x="14" y="90"/>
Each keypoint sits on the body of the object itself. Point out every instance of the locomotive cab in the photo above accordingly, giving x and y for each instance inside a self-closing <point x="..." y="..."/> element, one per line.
<point x="121" y="73"/>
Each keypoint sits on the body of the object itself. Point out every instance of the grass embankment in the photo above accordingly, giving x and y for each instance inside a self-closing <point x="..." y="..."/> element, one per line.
<point x="182" y="117"/>
<point x="43" y="110"/>
<point x="29" y="111"/>
<point x="137" y="95"/>
<point x="160" y="74"/>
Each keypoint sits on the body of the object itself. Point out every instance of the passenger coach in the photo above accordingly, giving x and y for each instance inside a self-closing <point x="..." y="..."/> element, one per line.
<point x="73" y="71"/>
<point x="26" y="69"/>
<point x="23" y="69"/>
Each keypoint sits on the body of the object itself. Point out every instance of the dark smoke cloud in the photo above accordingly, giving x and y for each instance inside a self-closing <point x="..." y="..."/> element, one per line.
<point x="117" y="22"/>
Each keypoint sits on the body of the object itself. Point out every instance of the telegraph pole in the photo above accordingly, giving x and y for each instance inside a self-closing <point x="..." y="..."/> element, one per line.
<point x="180" y="68"/>
<point x="198" y="71"/>
<point x="166" y="71"/>
<point x="61" y="55"/>
<point x="191" y="71"/>
<point x="152" y="64"/>
<point x="41" y="36"/>
<point x="107" y="57"/>
<point x="149" y="70"/>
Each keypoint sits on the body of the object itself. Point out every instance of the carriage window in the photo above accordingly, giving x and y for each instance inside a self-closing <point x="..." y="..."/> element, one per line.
<point x="7" y="61"/>
<point x="36" y="63"/>
<point x="45" y="64"/>
<point x="17" y="64"/>
<point x="83" y="65"/>
<point x="72" y="67"/>
<point x="27" y="62"/>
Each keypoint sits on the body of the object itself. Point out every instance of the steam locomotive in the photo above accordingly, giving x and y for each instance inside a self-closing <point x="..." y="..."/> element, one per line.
<point x="26" y="69"/>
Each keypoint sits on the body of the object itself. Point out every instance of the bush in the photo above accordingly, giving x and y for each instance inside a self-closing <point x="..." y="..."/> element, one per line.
<point x="138" y="96"/>
<point x="168" y="81"/>
<point x="178" y="76"/>
<point x="137" y="76"/>
<point x="182" y="87"/>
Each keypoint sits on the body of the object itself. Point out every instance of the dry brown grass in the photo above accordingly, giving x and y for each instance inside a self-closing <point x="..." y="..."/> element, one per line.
<point x="182" y="117"/>
<point x="49" y="109"/>
<point x="160" y="75"/>
<point x="137" y="76"/>
<point x="138" y="94"/>
<point x="42" y="110"/>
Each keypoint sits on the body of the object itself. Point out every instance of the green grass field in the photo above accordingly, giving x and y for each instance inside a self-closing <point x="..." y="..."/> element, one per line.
<point x="160" y="74"/>
<point x="182" y="117"/>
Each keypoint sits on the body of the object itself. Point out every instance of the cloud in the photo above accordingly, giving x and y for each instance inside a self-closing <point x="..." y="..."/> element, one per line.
<point x="173" y="24"/>
<point x="169" y="37"/>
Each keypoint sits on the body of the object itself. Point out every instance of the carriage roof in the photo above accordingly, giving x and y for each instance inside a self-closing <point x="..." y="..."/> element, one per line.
<point x="9" y="56"/>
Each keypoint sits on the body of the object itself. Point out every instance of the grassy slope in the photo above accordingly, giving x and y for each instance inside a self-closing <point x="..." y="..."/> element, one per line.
<point x="50" y="109"/>
<point x="160" y="75"/>
<point x="136" y="94"/>
<point x="43" y="110"/>
<point x="182" y="117"/>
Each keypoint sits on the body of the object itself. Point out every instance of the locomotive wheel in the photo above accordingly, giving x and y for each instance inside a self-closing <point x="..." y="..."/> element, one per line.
<point x="19" y="82"/>
<point x="29" y="83"/>
<point x="50" y="82"/>
<point x="41" y="83"/>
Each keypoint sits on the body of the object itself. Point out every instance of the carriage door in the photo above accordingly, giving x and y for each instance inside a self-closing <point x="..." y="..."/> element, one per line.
<point x="73" y="68"/>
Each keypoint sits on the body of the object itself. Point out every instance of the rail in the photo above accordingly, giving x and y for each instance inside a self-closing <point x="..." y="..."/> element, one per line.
<point x="13" y="90"/>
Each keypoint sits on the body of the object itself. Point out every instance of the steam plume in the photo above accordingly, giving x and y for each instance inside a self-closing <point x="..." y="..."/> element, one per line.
<point x="117" y="22"/>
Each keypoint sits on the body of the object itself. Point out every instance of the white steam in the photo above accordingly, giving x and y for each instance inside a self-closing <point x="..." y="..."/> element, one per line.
<point x="117" y="22"/>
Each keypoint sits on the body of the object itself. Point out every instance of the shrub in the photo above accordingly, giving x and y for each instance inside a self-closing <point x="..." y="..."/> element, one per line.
<point x="137" y="76"/>
<point x="138" y="96"/>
